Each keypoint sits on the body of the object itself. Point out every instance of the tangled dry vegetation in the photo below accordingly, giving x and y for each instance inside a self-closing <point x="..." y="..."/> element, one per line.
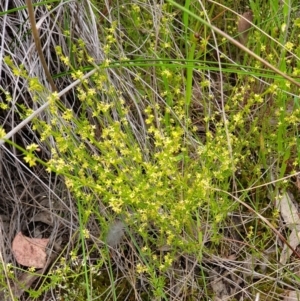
<point x="163" y="161"/>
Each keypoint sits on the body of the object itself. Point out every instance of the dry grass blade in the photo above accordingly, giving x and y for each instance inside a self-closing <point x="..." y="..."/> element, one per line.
<point x="37" y="41"/>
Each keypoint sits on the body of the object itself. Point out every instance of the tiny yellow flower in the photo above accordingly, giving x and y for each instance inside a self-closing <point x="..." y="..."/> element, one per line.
<point x="167" y="73"/>
<point x="106" y="63"/>
<point x="166" y="45"/>
<point x="2" y="132"/>
<point x="30" y="159"/>
<point x="250" y="232"/>
<point x="53" y="97"/>
<point x="31" y="269"/>
<point x="90" y="59"/>
<point x="32" y="147"/>
<point x="65" y="60"/>
<point x="106" y="49"/>
<point x="77" y="75"/>
<point x="289" y="46"/>
<point x="86" y="233"/>
<point x="136" y="8"/>
<point x="141" y="268"/>
<point x="68" y="115"/>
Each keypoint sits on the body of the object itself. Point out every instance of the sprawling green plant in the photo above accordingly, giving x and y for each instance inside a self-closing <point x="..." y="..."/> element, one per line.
<point x="170" y="128"/>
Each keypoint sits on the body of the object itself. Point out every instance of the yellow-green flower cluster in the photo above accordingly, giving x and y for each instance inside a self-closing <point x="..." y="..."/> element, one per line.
<point x="30" y="157"/>
<point x="2" y="133"/>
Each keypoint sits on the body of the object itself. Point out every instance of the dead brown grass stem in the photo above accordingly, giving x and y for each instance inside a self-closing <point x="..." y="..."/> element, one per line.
<point x="38" y="46"/>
